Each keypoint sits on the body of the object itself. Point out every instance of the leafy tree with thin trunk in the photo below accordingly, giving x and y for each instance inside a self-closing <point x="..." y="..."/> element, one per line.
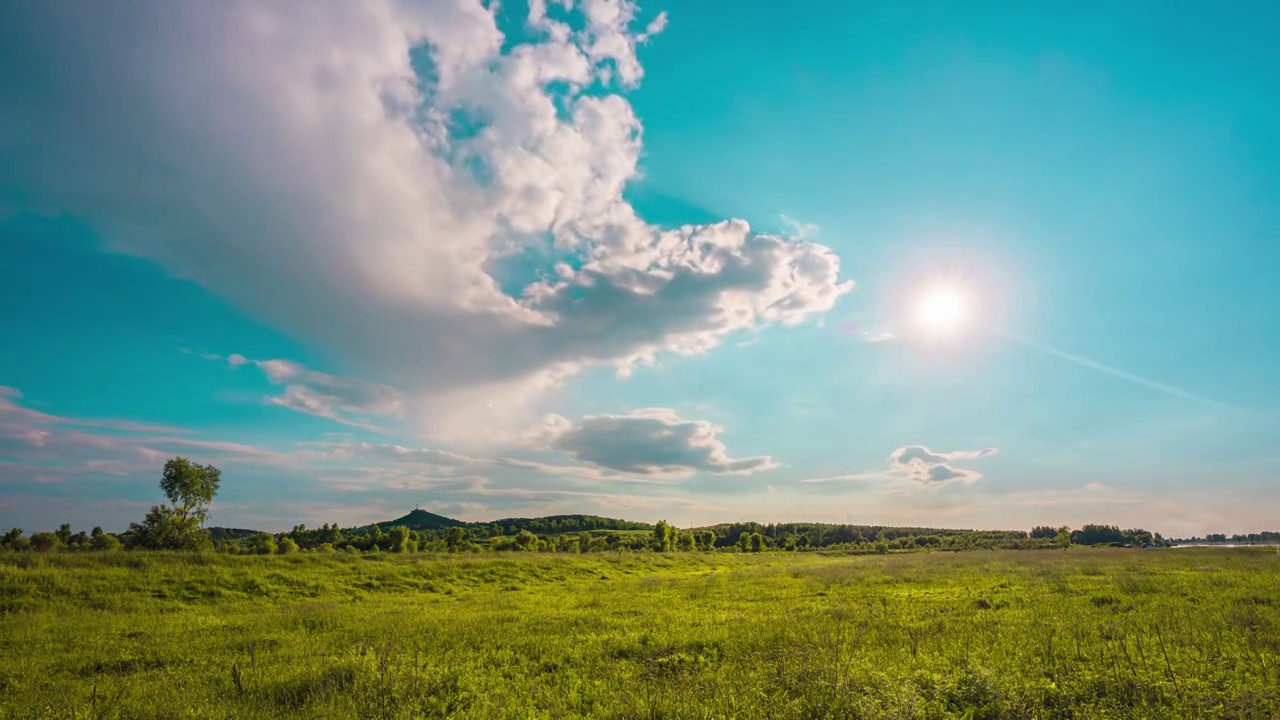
<point x="190" y="488"/>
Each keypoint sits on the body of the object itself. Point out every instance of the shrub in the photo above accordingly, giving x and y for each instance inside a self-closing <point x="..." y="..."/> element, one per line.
<point x="287" y="545"/>
<point x="104" y="542"/>
<point x="45" y="542"/>
<point x="264" y="544"/>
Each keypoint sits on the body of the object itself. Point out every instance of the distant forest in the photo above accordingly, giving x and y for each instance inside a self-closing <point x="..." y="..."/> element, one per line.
<point x="190" y="488"/>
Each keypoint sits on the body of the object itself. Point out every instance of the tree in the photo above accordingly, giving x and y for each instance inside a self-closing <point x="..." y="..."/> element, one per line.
<point x="685" y="542"/>
<point x="1097" y="535"/>
<point x="526" y="540"/>
<point x="164" y="529"/>
<point x="757" y="542"/>
<point x="264" y="544"/>
<point x="286" y="546"/>
<point x="104" y="542"/>
<point x="45" y="541"/>
<point x="190" y="488"/>
<point x="11" y="538"/>
<point x="1043" y="532"/>
<point x="455" y="537"/>
<point x="663" y="537"/>
<point x="64" y="533"/>
<point x="399" y="536"/>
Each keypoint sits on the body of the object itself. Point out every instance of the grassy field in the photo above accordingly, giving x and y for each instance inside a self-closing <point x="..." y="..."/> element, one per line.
<point x="1185" y="633"/>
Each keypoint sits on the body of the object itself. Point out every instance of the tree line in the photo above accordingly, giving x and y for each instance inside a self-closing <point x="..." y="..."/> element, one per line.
<point x="190" y="488"/>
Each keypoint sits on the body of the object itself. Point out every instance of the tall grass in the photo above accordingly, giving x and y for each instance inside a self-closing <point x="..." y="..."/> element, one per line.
<point x="1080" y="634"/>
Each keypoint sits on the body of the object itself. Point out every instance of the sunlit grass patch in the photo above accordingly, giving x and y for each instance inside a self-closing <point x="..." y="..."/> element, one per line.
<point x="1038" y="634"/>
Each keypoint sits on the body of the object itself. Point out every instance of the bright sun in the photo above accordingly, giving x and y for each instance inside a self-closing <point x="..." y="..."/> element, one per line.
<point x="942" y="310"/>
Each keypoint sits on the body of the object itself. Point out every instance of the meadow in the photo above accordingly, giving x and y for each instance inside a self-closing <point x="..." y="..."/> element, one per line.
<point x="1083" y="633"/>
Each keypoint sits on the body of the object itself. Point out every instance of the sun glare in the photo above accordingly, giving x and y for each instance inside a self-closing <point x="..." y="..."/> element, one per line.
<point x="942" y="310"/>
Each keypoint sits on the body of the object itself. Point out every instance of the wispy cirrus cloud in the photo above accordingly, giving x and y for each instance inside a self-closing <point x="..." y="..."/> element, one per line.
<point x="45" y="451"/>
<point x="48" y="448"/>
<point x="342" y="399"/>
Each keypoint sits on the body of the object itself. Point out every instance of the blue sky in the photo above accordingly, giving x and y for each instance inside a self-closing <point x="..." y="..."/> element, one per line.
<point x="653" y="261"/>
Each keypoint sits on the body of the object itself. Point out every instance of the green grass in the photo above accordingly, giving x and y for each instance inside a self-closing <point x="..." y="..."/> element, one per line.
<point x="1081" y="634"/>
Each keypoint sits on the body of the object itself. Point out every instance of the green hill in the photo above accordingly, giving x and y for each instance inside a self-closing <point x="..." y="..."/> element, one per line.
<point x="551" y="525"/>
<point x="558" y="524"/>
<point x="423" y="520"/>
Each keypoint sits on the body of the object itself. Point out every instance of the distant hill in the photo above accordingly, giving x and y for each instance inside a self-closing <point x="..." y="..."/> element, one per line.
<point x="550" y="525"/>
<point x="556" y="524"/>
<point x="423" y="520"/>
<point x="222" y="533"/>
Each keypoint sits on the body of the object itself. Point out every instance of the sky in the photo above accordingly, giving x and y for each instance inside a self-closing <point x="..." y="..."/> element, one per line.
<point x="931" y="264"/>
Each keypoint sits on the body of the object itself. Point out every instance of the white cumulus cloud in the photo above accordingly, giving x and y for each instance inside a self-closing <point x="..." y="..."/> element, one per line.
<point x="651" y="441"/>
<point x="356" y="174"/>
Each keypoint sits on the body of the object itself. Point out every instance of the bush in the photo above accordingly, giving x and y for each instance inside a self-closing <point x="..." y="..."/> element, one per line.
<point x="104" y="542"/>
<point x="287" y="545"/>
<point x="45" y="542"/>
<point x="264" y="544"/>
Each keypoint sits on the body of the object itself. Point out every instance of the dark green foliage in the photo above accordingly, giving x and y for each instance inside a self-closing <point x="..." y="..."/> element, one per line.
<point x="455" y="537"/>
<point x="526" y="540"/>
<point x="164" y="528"/>
<point x="45" y="541"/>
<point x="399" y="539"/>
<point x="554" y="525"/>
<point x="221" y="533"/>
<point x="264" y="544"/>
<point x="1109" y="534"/>
<point x="103" y="542"/>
